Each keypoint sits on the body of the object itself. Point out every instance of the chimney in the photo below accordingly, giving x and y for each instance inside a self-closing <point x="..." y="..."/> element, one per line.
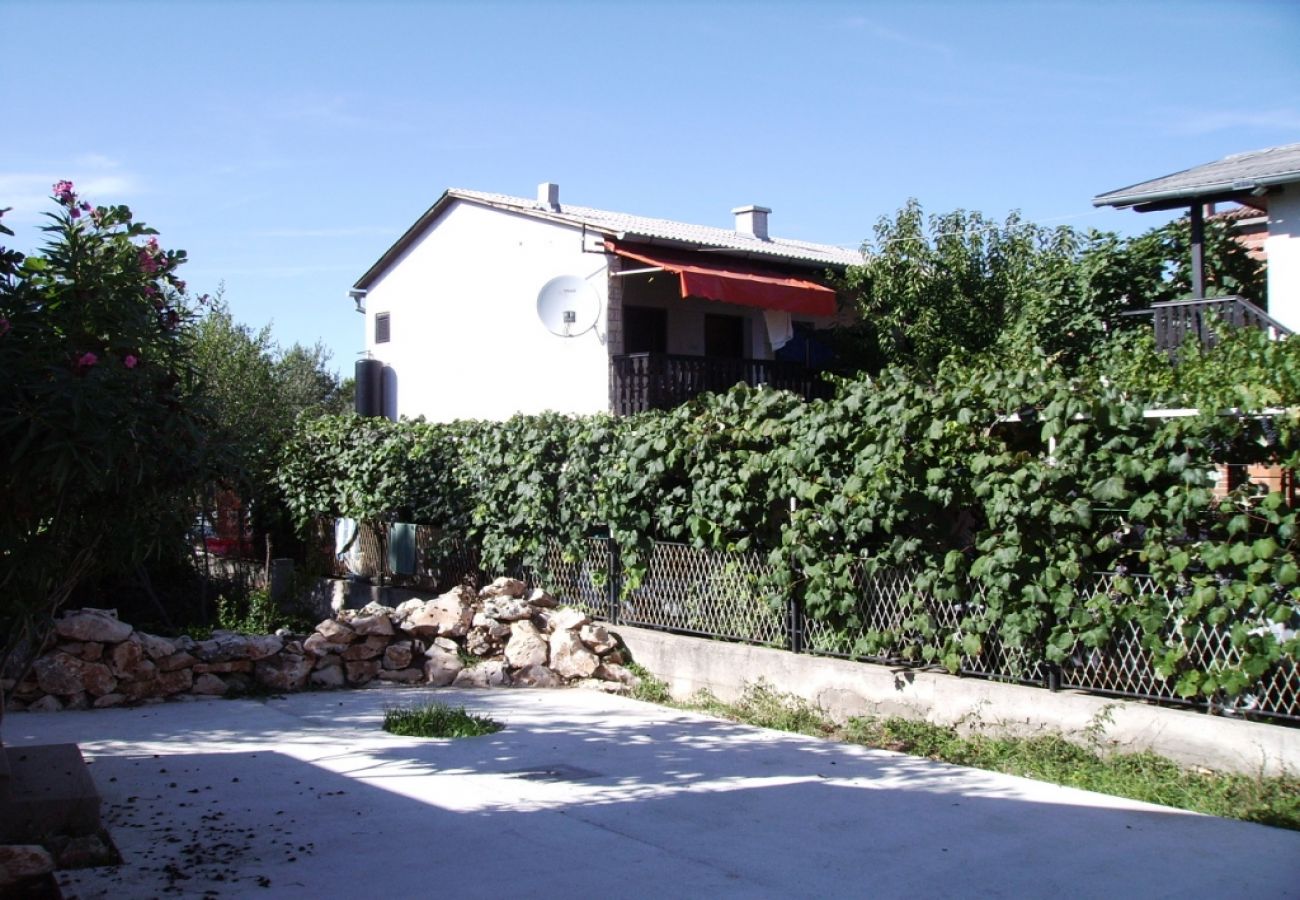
<point x="752" y="220"/>
<point x="548" y="196"/>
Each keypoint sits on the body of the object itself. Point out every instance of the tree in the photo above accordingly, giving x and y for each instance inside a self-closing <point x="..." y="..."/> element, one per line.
<point x="1162" y="262"/>
<point x="306" y="384"/>
<point x="104" y="444"/>
<point x="256" y="392"/>
<point x="962" y="285"/>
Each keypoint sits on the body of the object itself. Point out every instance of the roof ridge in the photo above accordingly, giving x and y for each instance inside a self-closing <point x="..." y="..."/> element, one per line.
<point x="1248" y="153"/>
<point x="735" y="240"/>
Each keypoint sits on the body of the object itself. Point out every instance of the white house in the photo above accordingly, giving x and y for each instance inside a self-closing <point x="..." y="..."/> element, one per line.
<point x="1267" y="180"/>
<point x="491" y="305"/>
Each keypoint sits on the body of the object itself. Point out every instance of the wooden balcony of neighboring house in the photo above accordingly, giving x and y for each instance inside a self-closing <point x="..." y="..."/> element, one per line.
<point x="645" y="381"/>
<point x="1175" y="320"/>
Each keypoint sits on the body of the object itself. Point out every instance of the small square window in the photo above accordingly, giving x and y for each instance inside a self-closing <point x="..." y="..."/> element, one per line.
<point x="382" y="328"/>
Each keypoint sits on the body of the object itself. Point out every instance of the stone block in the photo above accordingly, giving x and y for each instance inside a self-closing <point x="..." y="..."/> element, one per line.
<point x="50" y="792"/>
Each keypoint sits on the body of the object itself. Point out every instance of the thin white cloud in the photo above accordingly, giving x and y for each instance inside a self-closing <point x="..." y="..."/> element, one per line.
<point x="107" y="187"/>
<point x="95" y="161"/>
<point x="1070" y="217"/>
<point x="1060" y="77"/>
<point x="360" y="231"/>
<point x="1285" y="118"/>
<point x="267" y="271"/>
<point x="894" y="36"/>
<point x="29" y="192"/>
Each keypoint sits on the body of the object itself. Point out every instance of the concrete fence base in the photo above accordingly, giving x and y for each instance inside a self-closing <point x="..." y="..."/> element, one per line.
<point x="844" y="689"/>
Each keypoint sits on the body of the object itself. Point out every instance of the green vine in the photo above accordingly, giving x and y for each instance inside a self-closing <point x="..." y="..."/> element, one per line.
<point x="1002" y="493"/>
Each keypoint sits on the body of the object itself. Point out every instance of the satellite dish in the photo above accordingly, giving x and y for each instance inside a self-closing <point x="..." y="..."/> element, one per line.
<point x="568" y="306"/>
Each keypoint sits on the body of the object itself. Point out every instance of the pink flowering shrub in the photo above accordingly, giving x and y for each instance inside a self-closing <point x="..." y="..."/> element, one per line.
<point x="102" y="453"/>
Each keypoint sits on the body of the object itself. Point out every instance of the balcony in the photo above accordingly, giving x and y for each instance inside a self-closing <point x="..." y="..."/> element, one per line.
<point x="644" y="381"/>
<point x="1177" y="319"/>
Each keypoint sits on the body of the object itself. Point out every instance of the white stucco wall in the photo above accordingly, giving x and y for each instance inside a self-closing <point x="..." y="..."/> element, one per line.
<point x="1283" y="248"/>
<point x="466" y="340"/>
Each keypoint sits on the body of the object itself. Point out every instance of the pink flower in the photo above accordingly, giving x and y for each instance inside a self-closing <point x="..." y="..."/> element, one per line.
<point x="63" y="192"/>
<point x="131" y="361"/>
<point x="4" y="326"/>
<point x="86" y="360"/>
<point x="147" y="262"/>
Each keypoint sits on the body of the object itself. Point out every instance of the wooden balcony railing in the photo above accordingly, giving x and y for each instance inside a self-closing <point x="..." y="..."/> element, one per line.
<point x="1177" y="319"/>
<point x="643" y="381"/>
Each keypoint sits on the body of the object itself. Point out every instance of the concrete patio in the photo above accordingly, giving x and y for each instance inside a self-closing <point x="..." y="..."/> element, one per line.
<point x="584" y="795"/>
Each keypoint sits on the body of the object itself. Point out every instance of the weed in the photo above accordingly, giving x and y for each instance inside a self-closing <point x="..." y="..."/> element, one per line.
<point x="765" y="706"/>
<point x="258" y="613"/>
<point x="437" y="720"/>
<point x="1139" y="776"/>
<point x="647" y="687"/>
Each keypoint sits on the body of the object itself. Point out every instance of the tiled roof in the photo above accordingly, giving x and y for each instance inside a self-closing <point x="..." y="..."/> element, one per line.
<point x="632" y="227"/>
<point x="1239" y="172"/>
<point x="1239" y="215"/>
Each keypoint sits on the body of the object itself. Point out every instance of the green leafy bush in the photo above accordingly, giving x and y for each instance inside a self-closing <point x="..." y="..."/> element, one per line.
<point x="103" y="449"/>
<point x="1001" y="492"/>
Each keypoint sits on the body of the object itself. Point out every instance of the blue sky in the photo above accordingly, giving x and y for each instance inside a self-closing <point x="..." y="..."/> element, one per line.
<point x="285" y="146"/>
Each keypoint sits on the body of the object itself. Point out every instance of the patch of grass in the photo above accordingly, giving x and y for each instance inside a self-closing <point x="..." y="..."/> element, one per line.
<point x="648" y="687"/>
<point x="764" y="706"/>
<point x="437" y="720"/>
<point x="1138" y="776"/>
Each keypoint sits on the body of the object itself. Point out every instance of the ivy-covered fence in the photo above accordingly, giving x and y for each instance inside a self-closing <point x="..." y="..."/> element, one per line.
<point x="718" y="594"/>
<point x="999" y="494"/>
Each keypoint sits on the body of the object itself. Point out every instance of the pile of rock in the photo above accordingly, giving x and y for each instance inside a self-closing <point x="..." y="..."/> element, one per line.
<point x="501" y="635"/>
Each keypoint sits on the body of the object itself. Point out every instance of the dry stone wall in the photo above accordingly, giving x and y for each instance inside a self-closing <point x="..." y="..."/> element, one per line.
<point x="501" y="635"/>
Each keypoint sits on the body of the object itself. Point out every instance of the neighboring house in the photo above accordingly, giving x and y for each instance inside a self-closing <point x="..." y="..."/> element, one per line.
<point x="1265" y="180"/>
<point x="640" y="312"/>
<point x="1267" y="184"/>
<point x="1248" y="226"/>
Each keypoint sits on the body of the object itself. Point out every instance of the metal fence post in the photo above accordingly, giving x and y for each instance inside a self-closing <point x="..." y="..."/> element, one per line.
<point x="794" y="623"/>
<point x="1053" y="676"/>
<point x="615" y="582"/>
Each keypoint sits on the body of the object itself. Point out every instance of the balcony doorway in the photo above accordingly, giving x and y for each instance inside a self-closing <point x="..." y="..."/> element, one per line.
<point x="645" y="329"/>
<point x="724" y="336"/>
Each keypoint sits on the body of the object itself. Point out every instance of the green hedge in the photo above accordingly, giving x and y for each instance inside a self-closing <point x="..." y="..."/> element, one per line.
<point x="934" y="476"/>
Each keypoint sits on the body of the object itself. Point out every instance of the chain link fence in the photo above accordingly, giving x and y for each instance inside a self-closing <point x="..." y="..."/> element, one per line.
<point x="719" y="595"/>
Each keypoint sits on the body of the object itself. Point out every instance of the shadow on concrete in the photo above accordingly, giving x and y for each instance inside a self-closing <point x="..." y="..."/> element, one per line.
<point x="582" y="797"/>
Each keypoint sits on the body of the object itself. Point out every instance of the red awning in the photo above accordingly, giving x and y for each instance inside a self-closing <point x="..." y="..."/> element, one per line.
<point x="733" y="281"/>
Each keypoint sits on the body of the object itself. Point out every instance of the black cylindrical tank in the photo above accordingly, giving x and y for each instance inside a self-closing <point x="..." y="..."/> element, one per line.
<point x="370" y="387"/>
